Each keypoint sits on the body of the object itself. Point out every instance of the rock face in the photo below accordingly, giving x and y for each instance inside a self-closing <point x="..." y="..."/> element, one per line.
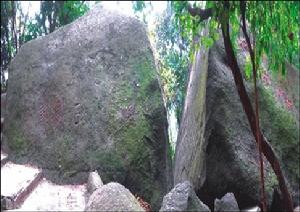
<point x="231" y="151"/>
<point x="86" y="97"/>
<point x="3" y="104"/>
<point x="113" y="197"/>
<point x="227" y="203"/>
<point x="183" y="198"/>
<point x="190" y="148"/>
<point x="224" y="149"/>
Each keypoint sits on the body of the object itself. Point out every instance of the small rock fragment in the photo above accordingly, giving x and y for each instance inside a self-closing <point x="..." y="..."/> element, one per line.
<point x="227" y="203"/>
<point x="183" y="198"/>
<point x="94" y="182"/>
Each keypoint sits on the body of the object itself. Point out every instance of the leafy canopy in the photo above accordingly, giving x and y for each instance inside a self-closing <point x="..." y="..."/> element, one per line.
<point x="274" y="26"/>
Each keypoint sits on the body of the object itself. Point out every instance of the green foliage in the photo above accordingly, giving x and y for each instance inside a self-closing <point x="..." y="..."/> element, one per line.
<point x="138" y="6"/>
<point x="173" y="52"/>
<point x="18" y="143"/>
<point x="33" y="30"/>
<point x="171" y="152"/>
<point x="142" y="10"/>
<point x="112" y="169"/>
<point x="274" y="27"/>
<point x="10" y="40"/>
<point x="70" y="11"/>
<point x="17" y="28"/>
<point x="59" y="13"/>
<point x="207" y="41"/>
<point x="248" y="68"/>
<point x="187" y="25"/>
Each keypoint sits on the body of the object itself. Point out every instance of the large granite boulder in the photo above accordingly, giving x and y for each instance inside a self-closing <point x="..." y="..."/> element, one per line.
<point x="222" y="144"/>
<point x="113" y="197"/>
<point x="86" y="97"/>
<point x="183" y="198"/>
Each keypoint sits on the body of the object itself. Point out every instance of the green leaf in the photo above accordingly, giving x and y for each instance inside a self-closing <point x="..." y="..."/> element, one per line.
<point x="248" y="68"/>
<point x="207" y="41"/>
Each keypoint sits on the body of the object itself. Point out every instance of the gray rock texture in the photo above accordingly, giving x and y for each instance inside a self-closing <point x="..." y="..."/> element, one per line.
<point x="113" y="197"/>
<point x="226" y="203"/>
<point x="3" y="109"/>
<point x="94" y="182"/>
<point x="223" y="147"/>
<point x="190" y="148"/>
<point x="231" y="152"/>
<point x="182" y="198"/>
<point x="3" y="104"/>
<point x="86" y="97"/>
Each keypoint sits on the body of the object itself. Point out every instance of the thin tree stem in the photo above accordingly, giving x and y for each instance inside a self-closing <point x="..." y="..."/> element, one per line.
<point x="254" y="70"/>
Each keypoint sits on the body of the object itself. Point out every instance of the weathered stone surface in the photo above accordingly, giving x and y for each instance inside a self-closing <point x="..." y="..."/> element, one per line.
<point x="48" y="196"/>
<point x="94" y="182"/>
<point x="4" y="158"/>
<point x="3" y="109"/>
<point x="3" y="104"/>
<point x="291" y="86"/>
<point x="232" y="151"/>
<point x="228" y="153"/>
<point x="113" y="197"/>
<point x="190" y="147"/>
<point x="86" y="97"/>
<point x="17" y="181"/>
<point x="182" y="198"/>
<point x="226" y="203"/>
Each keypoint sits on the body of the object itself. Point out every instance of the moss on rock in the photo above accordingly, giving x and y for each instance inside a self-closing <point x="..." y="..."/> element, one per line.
<point x="135" y="135"/>
<point x="281" y="128"/>
<point x="18" y="142"/>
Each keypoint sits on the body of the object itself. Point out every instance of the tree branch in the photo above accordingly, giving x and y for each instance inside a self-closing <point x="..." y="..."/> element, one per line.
<point x="203" y="14"/>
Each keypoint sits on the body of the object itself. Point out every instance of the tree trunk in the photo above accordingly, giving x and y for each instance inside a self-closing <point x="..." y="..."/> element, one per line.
<point x="22" y="39"/>
<point x="44" y="16"/>
<point x="266" y="148"/>
<point x="9" y="56"/>
<point x="14" y="32"/>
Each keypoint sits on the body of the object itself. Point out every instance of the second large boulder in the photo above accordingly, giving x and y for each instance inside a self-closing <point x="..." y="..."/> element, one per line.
<point x="216" y="150"/>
